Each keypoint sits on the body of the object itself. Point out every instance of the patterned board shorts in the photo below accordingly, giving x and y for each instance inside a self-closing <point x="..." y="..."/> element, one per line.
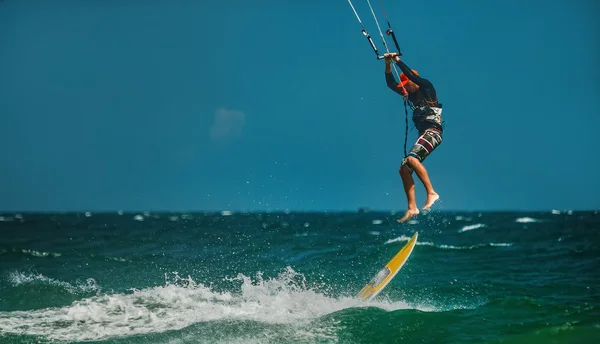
<point x="426" y="143"/>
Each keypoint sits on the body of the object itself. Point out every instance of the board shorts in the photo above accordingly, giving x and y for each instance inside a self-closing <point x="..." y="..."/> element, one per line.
<point x="425" y="144"/>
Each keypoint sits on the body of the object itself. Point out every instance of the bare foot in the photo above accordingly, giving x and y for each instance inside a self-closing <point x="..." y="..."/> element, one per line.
<point x="410" y="213"/>
<point x="431" y="198"/>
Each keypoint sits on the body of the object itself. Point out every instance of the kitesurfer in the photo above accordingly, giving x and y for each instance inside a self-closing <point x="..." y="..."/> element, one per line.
<point x="427" y="117"/>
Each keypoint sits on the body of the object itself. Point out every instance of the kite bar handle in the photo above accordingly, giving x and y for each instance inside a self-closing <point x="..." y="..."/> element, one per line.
<point x="391" y="32"/>
<point x="372" y="44"/>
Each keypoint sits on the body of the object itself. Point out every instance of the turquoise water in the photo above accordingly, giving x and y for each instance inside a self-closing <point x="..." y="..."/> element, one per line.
<point x="291" y="277"/>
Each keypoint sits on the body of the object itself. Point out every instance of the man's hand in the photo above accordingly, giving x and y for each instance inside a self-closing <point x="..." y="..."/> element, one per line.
<point x="388" y="58"/>
<point x="391" y="56"/>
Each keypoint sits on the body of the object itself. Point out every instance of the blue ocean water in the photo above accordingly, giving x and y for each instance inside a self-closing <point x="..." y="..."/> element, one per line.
<point x="497" y="277"/>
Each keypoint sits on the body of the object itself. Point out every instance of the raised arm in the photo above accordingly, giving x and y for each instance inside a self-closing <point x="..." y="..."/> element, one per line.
<point x="409" y="74"/>
<point x="389" y="77"/>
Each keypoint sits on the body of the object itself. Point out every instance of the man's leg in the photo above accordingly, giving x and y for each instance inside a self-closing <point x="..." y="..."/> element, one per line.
<point x="425" y="145"/>
<point x="409" y="189"/>
<point x="421" y="172"/>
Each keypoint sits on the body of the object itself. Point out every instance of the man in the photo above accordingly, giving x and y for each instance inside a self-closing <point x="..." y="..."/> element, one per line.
<point x="427" y="117"/>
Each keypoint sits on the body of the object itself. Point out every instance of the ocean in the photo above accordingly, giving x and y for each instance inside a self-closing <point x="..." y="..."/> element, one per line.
<point x="292" y="277"/>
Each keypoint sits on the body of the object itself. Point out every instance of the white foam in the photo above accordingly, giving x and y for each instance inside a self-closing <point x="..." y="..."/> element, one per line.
<point x="462" y="218"/>
<point x="138" y="218"/>
<point x="406" y="238"/>
<point x="400" y="238"/>
<point x="284" y="300"/>
<point x="471" y="227"/>
<point x="376" y="222"/>
<point x="470" y="247"/>
<point x="40" y="254"/>
<point x="501" y="244"/>
<point x="17" y="278"/>
<point x="449" y="247"/>
<point x="114" y="259"/>
<point x="226" y="213"/>
<point x="526" y="220"/>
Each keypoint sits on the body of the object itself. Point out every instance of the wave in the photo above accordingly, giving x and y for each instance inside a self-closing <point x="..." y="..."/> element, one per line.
<point x="31" y="253"/>
<point x="407" y="238"/>
<point x="18" y="252"/>
<point x="526" y="220"/>
<point x="471" y="227"/>
<point x="561" y="333"/>
<point x="449" y="247"/>
<point x="18" y="278"/>
<point x="284" y="302"/>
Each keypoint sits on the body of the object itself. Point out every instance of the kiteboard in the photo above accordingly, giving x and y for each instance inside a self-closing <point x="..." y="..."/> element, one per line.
<point x="389" y="271"/>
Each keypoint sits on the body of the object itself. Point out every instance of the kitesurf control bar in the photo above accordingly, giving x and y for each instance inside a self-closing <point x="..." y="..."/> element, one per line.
<point x="364" y="31"/>
<point x="372" y="44"/>
<point x="389" y="32"/>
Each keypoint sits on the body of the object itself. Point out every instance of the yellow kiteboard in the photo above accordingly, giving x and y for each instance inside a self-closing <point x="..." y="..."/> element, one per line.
<point x="383" y="277"/>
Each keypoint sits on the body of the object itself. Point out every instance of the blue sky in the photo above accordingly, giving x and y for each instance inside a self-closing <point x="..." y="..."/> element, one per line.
<point x="272" y="105"/>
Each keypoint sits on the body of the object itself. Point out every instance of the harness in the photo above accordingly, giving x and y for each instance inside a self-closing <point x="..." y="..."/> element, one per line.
<point x="422" y="115"/>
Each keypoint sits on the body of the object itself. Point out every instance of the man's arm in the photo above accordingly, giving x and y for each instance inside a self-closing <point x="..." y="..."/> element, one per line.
<point x="390" y="80"/>
<point x="409" y="74"/>
<point x="389" y="77"/>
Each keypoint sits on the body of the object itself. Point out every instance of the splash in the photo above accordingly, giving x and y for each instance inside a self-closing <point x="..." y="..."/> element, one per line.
<point x="17" y="278"/>
<point x="284" y="300"/>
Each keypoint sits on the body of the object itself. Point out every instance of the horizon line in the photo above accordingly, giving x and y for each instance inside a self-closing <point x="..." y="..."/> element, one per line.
<point x="255" y="211"/>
